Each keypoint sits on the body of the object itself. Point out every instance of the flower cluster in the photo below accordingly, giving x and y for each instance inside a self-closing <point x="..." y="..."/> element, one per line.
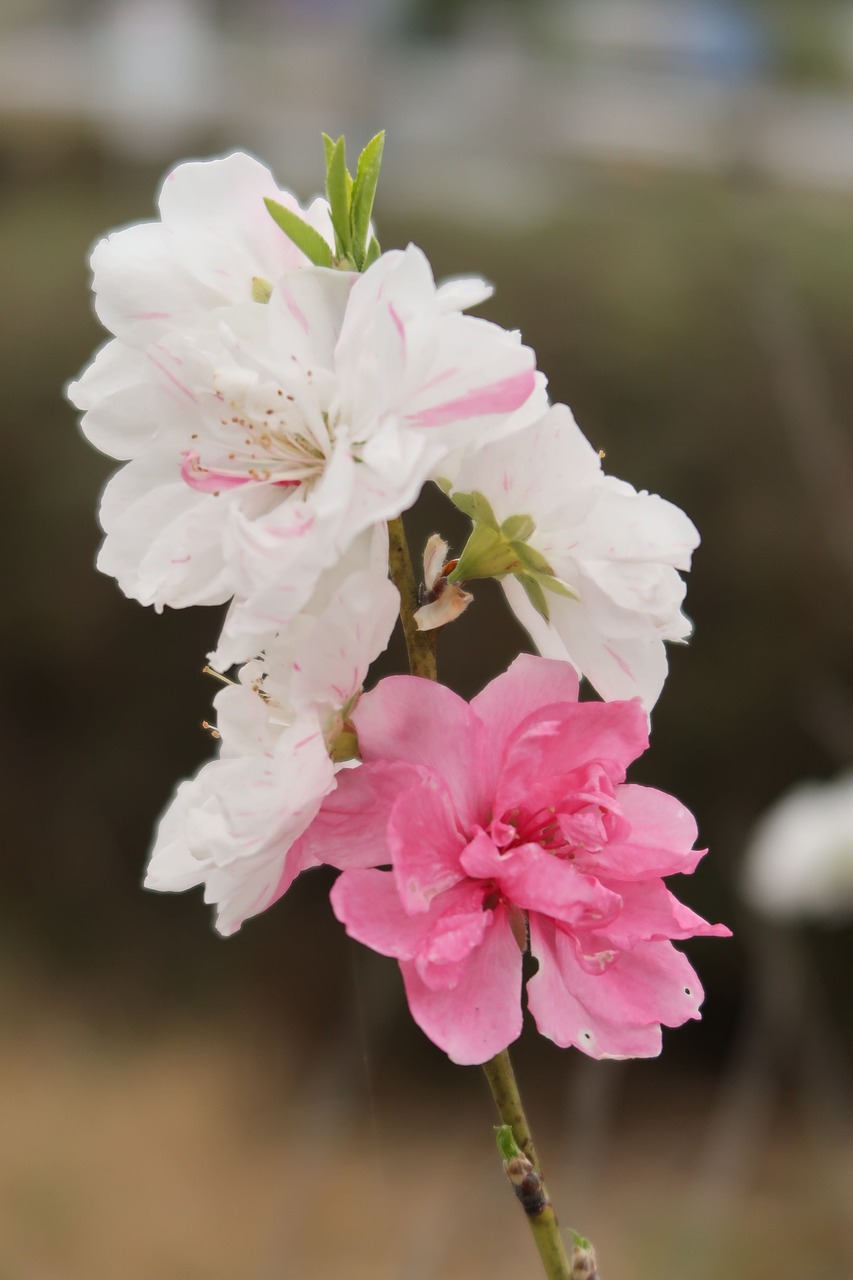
<point x="278" y="390"/>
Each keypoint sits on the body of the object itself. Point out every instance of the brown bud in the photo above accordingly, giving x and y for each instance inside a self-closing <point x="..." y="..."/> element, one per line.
<point x="584" y="1265"/>
<point x="527" y="1185"/>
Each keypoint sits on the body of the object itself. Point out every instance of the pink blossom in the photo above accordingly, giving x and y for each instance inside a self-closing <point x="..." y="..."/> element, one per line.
<point x="508" y="823"/>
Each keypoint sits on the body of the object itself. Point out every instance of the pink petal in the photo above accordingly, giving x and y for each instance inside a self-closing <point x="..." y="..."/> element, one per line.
<point x="660" y="841"/>
<point x="650" y="983"/>
<point x="440" y="959"/>
<point x="425" y="843"/>
<point x="529" y="877"/>
<point x="351" y="829"/>
<point x="481" y="1015"/>
<point x="420" y="722"/>
<point x="502" y="397"/>
<point x="529" y="684"/>
<point x="561" y="1016"/>
<point x="556" y="740"/>
<point x="650" y="913"/>
<point x="438" y="940"/>
<point x="368" y="905"/>
<point x="205" y="480"/>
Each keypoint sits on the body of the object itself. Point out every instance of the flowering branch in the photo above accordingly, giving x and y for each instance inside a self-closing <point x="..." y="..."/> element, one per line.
<point x="279" y="391"/>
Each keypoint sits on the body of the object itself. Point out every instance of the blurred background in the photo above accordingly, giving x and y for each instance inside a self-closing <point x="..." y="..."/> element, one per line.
<point x="662" y="194"/>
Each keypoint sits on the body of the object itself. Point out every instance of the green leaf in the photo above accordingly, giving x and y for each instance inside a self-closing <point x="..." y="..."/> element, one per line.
<point x="338" y="183"/>
<point x="477" y="507"/>
<point x="444" y="485"/>
<point x="518" y="528"/>
<point x="535" y="595"/>
<point x="580" y="1242"/>
<point x="363" y="195"/>
<point x="328" y="147"/>
<point x="373" y="252"/>
<point x="507" y="1144"/>
<point x="303" y="236"/>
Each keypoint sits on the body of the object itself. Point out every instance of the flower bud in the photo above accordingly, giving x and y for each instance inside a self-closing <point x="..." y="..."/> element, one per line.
<point x="527" y="1185"/>
<point x="261" y="289"/>
<point x="441" y="601"/>
<point x="584" y="1265"/>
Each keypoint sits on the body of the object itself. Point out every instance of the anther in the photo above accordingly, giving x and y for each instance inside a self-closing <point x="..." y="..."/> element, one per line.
<point x="217" y="675"/>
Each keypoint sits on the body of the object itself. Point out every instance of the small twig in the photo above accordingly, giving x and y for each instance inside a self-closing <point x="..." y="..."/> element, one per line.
<point x="420" y="644"/>
<point x="522" y="1168"/>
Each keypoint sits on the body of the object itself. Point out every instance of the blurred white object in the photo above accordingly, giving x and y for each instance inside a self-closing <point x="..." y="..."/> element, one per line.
<point x="799" y="862"/>
<point x="156" y="64"/>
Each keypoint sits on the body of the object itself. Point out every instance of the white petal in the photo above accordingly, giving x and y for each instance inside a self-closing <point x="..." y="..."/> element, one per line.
<point x="548" y="470"/>
<point x="639" y="526"/>
<point x="218" y="226"/>
<point x="321" y="657"/>
<point x="463" y="292"/>
<point x="232" y="828"/>
<point x="163" y="539"/>
<point x="617" y="550"/>
<point x="124" y="407"/>
<point x="141" y="288"/>
<point x="618" y="669"/>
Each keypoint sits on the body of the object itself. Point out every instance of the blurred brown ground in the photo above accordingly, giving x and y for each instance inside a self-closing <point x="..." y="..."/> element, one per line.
<point x="193" y="1156"/>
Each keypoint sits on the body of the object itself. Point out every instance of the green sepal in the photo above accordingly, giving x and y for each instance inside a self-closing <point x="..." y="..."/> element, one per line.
<point x="345" y="747"/>
<point x="338" y="188"/>
<point x="507" y="1144"/>
<point x="363" y="195"/>
<point x="535" y="595"/>
<point x="580" y="1242"/>
<point x="303" y="236"/>
<point x="477" y="507"/>
<point x="486" y="554"/>
<point x="554" y="585"/>
<point x="373" y="252"/>
<point x="518" y="528"/>
<point x="533" y="560"/>
<point x="444" y="485"/>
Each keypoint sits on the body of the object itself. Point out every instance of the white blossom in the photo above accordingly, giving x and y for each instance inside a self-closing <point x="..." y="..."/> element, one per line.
<point x="614" y="554"/>
<point x="235" y="826"/>
<point x="262" y="436"/>
<point x="799" y="858"/>
<point x="214" y="244"/>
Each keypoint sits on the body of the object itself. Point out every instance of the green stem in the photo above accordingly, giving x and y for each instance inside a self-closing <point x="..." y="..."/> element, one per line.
<point x="499" y="1072"/>
<point x="543" y="1225"/>
<point x="502" y="1082"/>
<point x="420" y="644"/>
